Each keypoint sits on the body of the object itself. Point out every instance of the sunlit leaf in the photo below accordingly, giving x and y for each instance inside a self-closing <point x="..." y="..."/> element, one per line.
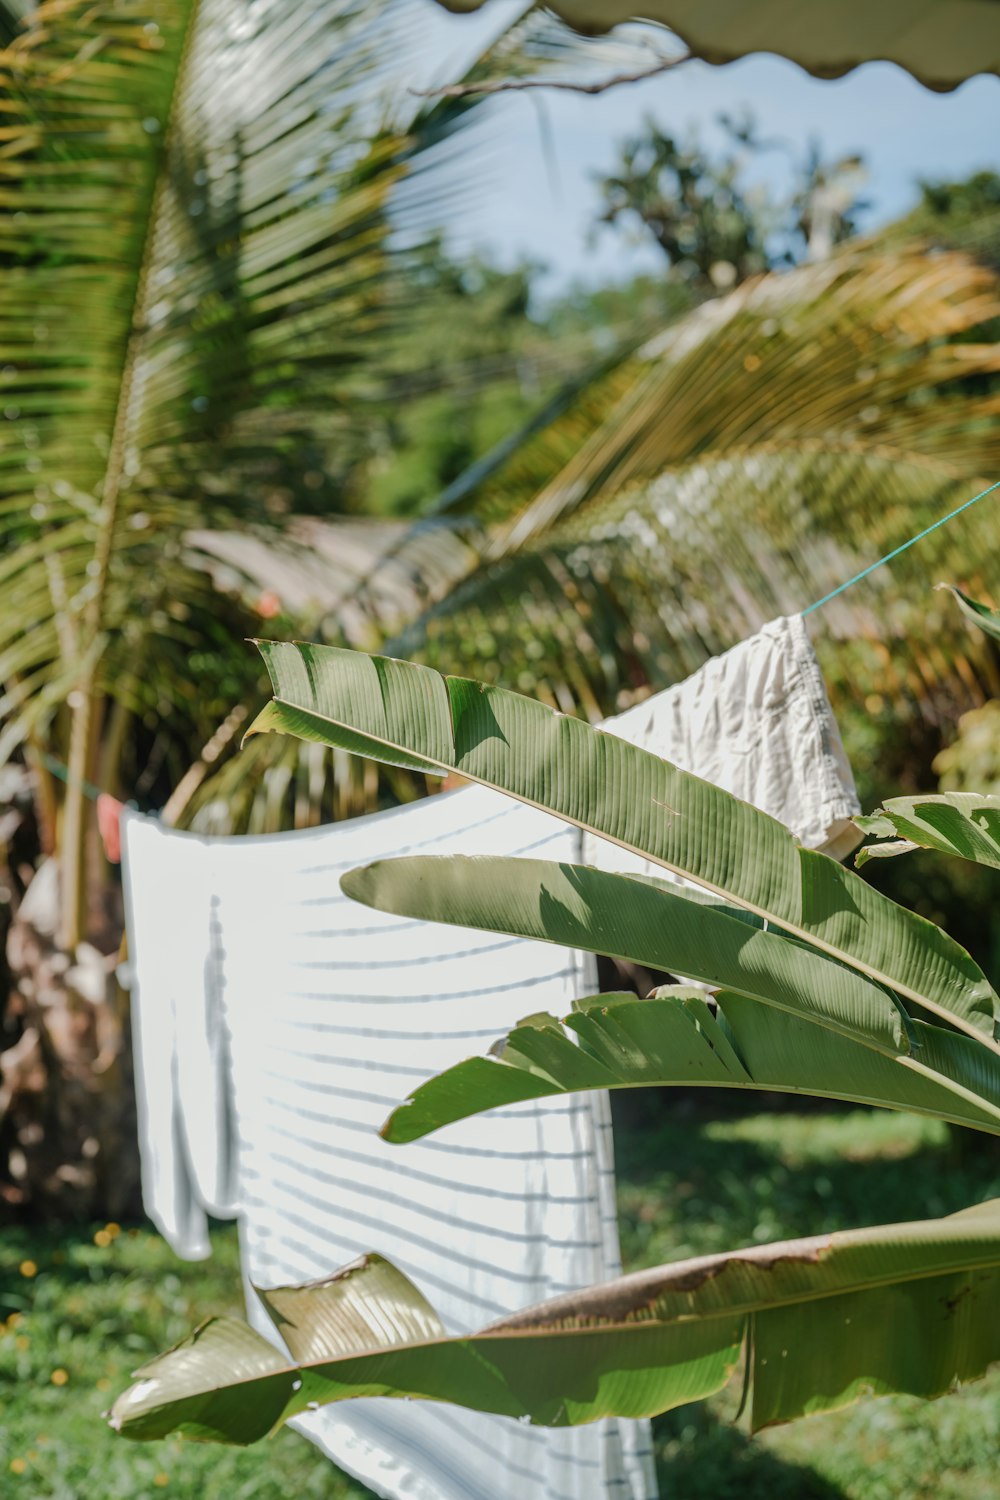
<point x="962" y="823"/>
<point x="675" y="1039"/>
<point x="921" y="1301"/>
<point x="410" y="716"/>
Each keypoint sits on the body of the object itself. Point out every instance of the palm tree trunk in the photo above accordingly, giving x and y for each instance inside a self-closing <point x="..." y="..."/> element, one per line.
<point x="74" y="826"/>
<point x="81" y="1044"/>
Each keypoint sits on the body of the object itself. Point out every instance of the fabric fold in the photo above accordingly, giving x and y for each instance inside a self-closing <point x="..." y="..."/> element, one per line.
<point x="757" y="722"/>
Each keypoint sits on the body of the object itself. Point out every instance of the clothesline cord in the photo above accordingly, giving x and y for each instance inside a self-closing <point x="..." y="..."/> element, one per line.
<point x="93" y="792"/>
<point x="897" y="550"/>
<point x="64" y="774"/>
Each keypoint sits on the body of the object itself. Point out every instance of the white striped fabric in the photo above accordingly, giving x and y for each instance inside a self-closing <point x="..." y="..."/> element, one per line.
<point x="334" y="1012"/>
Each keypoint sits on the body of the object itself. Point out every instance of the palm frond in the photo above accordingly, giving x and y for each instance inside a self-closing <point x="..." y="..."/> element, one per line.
<point x="202" y="208"/>
<point x="764" y="449"/>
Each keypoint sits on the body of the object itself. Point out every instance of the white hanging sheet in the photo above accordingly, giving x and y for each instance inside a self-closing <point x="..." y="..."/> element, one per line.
<point x="327" y="1014"/>
<point x="756" y="722"/>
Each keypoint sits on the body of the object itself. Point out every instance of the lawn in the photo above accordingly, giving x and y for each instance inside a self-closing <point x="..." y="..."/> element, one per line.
<point x="82" y="1309"/>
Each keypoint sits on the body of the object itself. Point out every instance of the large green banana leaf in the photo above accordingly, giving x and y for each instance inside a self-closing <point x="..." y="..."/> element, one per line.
<point x="921" y="1299"/>
<point x="640" y="920"/>
<point x="411" y="716"/>
<point x="941" y="44"/>
<point x="674" y="1038"/>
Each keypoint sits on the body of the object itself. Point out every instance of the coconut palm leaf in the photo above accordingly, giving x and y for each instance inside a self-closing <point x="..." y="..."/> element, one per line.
<point x="155" y="314"/>
<point x="920" y="1301"/>
<point x="739" y="466"/>
<point x="201" y="202"/>
<point x="763" y="449"/>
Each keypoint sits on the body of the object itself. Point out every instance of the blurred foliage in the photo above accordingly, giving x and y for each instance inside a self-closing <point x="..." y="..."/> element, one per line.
<point x="715" y="225"/>
<point x="971" y="763"/>
<point x="479" y="354"/>
<point x="711" y="228"/>
<point x="739" y="463"/>
<point x="960" y="215"/>
<point x="759" y="451"/>
<point x="471" y="366"/>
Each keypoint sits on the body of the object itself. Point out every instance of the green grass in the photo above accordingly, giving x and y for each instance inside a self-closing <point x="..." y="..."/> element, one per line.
<point x="95" y="1312"/>
<point x="690" y="1183"/>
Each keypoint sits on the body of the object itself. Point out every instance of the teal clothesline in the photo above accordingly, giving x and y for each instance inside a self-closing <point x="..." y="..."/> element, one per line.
<point x="63" y="772"/>
<point x="897" y="550"/>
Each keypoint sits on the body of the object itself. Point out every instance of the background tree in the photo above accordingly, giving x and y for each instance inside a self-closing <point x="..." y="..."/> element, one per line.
<point x="712" y="229"/>
<point x="715" y="226"/>
<point x="963" y="215"/>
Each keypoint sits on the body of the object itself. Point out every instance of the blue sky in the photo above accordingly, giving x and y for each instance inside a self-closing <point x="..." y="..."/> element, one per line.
<point x="534" y="201"/>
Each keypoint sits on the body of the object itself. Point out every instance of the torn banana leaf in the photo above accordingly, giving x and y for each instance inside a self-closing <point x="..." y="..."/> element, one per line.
<point x="962" y="823"/>
<point x="979" y="614"/>
<point x="411" y="716"/>
<point x="663" y="928"/>
<point x="674" y="1038"/>
<point x="904" y="1307"/>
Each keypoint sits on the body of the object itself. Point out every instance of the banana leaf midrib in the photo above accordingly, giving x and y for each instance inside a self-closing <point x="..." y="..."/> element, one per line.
<point x="754" y="1085"/>
<point x="517" y="1326"/>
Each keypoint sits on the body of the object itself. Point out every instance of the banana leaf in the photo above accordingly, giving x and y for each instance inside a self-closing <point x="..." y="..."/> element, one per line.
<point x="641" y="920"/>
<point x="979" y="614"/>
<point x="962" y="823"/>
<point x="409" y="715"/>
<point x="905" y="1307"/>
<point x="675" y="1038"/>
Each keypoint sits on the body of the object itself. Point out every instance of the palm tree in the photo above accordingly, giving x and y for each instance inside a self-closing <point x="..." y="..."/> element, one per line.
<point x="203" y="211"/>
<point x="741" y="464"/>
